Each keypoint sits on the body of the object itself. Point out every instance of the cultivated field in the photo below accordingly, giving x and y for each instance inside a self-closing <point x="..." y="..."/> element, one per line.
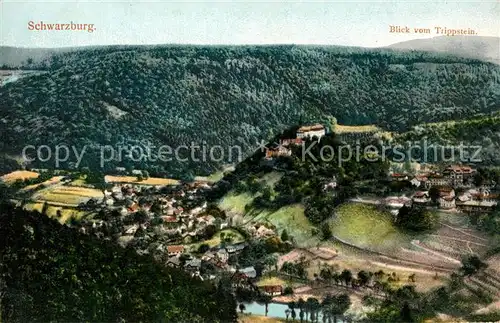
<point x="247" y="318"/>
<point x="265" y="281"/>
<point x="18" y="175"/>
<point x="431" y="256"/>
<point x="52" y="211"/>
<point x="51" y="181"/>
<point x="68" y="195"/>
<point x="349" y="129"/>
<point x="133" y="180"/>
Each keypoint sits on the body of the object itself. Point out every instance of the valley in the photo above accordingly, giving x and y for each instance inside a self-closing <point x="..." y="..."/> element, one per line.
<point x="277" y="232"/>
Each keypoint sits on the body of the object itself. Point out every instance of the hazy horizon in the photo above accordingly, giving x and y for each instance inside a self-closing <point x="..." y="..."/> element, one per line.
<point x="359" y="24"/>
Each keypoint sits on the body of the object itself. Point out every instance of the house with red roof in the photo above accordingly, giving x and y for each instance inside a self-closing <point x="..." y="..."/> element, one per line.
<point x="174" y="250"/>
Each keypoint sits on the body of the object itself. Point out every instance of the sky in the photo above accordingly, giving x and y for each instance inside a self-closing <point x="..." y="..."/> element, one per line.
<point x="353" y="23"/>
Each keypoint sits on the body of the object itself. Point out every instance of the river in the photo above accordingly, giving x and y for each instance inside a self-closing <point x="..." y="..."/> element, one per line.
<point x="276" y="310"/>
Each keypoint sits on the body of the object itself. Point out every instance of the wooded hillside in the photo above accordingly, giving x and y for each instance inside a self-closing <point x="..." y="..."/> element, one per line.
<point x="50" y="272"/>
<point x="173" y="95"/>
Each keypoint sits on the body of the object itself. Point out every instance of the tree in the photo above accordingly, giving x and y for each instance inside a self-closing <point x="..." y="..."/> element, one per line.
<point x="471" y="264"/>
<point x="346" y="276"/>
<point x="292" y="306"/>
<point x="287" y="313"/>
<point x="434" y="194"/>
<point x="45" y="208"/>
<point x="226" y="299"/>
<point x="266" y="299"/>
<point x="479" y="178"/>
<point x="86" y="269"/>
<point x="313" y="306"/>
<point x="326" y="232"/>
<point x="141" y="216"/>
<point x="416" y="218"/>
<point x="363" y="278"/>
<point x="271" y="262"/>
<point x="405" y="313"/>
<point x="326" y="274"/>
<point x="301" y="305"/>
<point x="284" y="235"/>
<point x="337" y="305"/>
<point x="242" y="307"/>
<point x="204" y="247"/>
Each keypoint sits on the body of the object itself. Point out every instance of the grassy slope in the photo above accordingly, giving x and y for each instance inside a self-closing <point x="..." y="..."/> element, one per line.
<point x="236" y="202"/>
<point x="291" y="217"/>
<point x="366" y="227"/>
<point x="358" y="224"/>
<point x="66" y="213"/>
<point x="215" y="240"/>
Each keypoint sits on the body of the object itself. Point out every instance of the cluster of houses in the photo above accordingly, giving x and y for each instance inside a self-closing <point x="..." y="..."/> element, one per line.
<point x="179" y="214"/>
<point x="454" y="175"/>
<point x="218" y="257"/>
<point x="471" y="200"/>
<point x="305" y="132"/>
<point x="453" y="179"/>
<point x="173" y="217"/>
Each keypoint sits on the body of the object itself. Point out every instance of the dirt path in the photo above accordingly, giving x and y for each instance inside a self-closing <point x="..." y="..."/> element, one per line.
<point x="371" y="201"/>
<point x="468" y="247"/>
<point x="462" y="231"/>
<point x="399" y="260"/>
<point x="438" y="254"/>
<point x="456" y="239"/>
<point x="405" y="268"/>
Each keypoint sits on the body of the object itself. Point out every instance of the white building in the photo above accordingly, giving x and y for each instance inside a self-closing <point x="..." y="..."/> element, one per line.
<point x="447" y="202"/>
<point x="415" y="182"/>
<point x="249" y="272"/>
<point x="316" y="130"/>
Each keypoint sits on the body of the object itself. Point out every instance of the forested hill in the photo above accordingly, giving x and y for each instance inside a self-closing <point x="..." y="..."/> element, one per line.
<point x="481" y="47"/>
<point x="52" y="273"/>
<point x="232" y="95"/>
<point x="479" y="131"/>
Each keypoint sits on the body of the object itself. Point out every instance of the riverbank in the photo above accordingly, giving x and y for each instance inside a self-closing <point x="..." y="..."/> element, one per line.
<point x="250" y="318"/>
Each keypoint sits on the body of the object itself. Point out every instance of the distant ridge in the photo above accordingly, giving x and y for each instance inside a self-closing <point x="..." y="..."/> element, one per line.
<point x="229" y="96"/>
<point x="480" y="47"/>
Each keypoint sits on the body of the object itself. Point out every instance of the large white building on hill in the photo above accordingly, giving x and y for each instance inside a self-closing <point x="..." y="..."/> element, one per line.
<point x="316" y="130"/>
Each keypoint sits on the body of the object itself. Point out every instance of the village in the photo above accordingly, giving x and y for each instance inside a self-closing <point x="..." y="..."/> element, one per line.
<point x="175" y="223"/>
<point x="452" y="187"/>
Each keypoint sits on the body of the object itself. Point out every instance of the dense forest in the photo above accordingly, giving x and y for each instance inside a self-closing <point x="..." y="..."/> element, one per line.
<point x="50" y="272"/>
<point x="218" y="95"/>
<point x="480" y="131"/>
